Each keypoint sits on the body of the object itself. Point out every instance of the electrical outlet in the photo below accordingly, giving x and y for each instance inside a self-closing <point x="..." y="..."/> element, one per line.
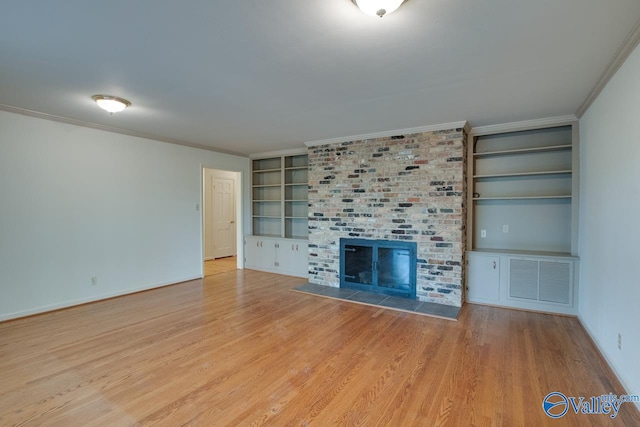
<point x="619" y="341"/>
<point x="483" y="233"/>
<point x="505" y="228"/>
<point x="94" y="281"/>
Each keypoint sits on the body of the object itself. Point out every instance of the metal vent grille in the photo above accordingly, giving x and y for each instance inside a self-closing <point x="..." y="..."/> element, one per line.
<point x="523" y="279"/>
<point x="540" y="281"/>
<point x="555" y="282"/>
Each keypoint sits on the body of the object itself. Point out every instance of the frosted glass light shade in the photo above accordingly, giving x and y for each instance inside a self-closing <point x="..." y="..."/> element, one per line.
<point x="112" y="104"/>
<point x="378" y="7"/>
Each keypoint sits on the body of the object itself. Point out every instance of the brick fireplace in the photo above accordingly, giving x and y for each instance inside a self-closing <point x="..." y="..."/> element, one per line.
<point x="400" y="188"/>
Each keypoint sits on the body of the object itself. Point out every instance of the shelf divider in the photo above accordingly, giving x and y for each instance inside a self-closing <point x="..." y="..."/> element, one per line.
<point x="506" y="175"/>
<point x="562" y="196"/>
<point x="524" y="150"/>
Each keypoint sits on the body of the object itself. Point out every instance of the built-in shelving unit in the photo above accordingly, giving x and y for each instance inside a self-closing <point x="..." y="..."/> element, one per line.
<point x="522" y="189"/>
<point x="296" y="204"/>
<point x="267" y="196"/>
<point x="280" y="196"/>
<point x="523" y="215"/>
<point x="279" y="209"/>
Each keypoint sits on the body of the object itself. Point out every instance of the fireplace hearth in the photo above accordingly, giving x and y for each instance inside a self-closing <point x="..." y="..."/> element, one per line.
<point x="379" y="266"/>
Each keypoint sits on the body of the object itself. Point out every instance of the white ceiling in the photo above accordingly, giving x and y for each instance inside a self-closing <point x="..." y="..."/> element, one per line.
<point x="250" y="76"/>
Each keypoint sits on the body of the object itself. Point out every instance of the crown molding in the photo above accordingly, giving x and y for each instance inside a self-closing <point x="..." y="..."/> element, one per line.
<point x="113" y="129"/>
<point x="524" y="125"/>
<point x="618" y="59"/>
<point x="386" y="134"/>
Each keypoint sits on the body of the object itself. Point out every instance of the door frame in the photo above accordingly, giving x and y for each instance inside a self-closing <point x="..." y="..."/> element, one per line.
<point x="239" y="223"/>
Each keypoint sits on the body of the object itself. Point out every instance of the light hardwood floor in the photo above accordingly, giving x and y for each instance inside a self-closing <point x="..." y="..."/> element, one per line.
<point x="240" y="348"/>
<point x="220" y="265"/>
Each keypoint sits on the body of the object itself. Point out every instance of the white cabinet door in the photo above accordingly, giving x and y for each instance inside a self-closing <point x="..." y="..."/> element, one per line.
<point x="259" y="253"/>
<point x="284" y="256"/>
<point x="293" y="257"/>
<point x="483" y="278"/>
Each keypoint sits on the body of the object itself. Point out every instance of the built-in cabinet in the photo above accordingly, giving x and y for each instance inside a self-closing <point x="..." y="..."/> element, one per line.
<point x="483" y="272"/>
<point x="522" y="217"/>
<point x="276" y="255"/>
<point x="542" y="282"/>
<point x="279" y="210"/>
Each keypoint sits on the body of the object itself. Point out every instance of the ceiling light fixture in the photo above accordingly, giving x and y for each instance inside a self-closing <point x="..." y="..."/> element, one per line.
<point x="109" y="103"/>
<point x="378" y="7"/>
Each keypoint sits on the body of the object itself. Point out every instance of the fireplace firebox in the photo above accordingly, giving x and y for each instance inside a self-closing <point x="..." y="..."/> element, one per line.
<point x="380" y="266"/>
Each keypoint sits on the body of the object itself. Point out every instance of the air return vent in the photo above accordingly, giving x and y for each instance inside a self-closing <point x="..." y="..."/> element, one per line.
<point x="540" y="281"/>
<point x="555" y="283"/>
<point x="524" y="279"/>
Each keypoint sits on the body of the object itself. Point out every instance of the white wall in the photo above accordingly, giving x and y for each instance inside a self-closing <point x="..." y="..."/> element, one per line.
<point x="609" y="218"/>
<point x="78" y="202"/>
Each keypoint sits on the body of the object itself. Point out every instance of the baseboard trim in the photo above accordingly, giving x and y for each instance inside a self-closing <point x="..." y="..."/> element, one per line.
<point x="606" y="359"/>
<point x="529" y="310"/>
<point x="82" y="301"/>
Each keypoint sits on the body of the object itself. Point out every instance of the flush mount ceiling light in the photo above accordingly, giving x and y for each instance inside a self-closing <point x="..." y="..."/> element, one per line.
<point x="109" y="103"/>
<point x="378" y="7"/>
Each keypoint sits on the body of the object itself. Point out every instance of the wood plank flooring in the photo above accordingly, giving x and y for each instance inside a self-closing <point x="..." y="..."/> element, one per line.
<point x="239" y="348"/>
<point x="220" y="265"/>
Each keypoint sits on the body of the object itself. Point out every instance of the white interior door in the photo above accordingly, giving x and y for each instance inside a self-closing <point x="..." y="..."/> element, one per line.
<point x="224" y="228"/>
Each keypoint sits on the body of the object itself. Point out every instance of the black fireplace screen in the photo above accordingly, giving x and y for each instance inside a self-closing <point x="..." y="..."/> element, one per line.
<point x="380" y="266"/>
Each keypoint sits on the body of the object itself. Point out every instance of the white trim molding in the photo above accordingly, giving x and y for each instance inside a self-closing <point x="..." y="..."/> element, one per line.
<point x="609" y="362"/>
<point x="106" y="128"/>
<point x="386" y="134"/>
<point x="524" y="125"/>
<point x="81" y="301"/>
<point x="618" y="59"/>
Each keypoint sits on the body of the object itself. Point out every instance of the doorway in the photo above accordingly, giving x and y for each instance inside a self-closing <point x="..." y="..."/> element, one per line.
<point x="219" y="216"/>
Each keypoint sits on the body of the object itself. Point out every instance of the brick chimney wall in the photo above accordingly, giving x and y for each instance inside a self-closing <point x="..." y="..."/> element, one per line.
<point x="406" y="187"/>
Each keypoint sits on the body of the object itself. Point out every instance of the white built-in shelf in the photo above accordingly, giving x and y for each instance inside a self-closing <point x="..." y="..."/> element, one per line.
<point x="279" y="190"/>
<point x="524" y="150"/>
<point x="522" y="221"/>
<point x="564" y="196"/>
<point x="500" y="251"/>
<point x="503" y="175"/>
<point x="266" y="170"/>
